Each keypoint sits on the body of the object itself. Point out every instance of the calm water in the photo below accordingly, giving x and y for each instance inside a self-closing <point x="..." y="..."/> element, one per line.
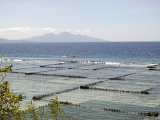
<point x="96" y="62"/>
<point x="127" y="51"/>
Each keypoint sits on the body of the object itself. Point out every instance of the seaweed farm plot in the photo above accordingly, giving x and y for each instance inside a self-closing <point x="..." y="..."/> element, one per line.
<point x="111" y="70"/>
<point x="147" y="79"/>
<point x="35" y="85"/>
<point x="63" y="65"/>
<point x="88" y="113"/>
<point x="18" y="66"/>
<point x="130" y="83"/>
<point x="122" y="86"/>
<point x="37" y="66"/>
<point x="94" y="71"/>
<point x="147" y="76"/>
<point x="140" y="80"/>
<point x="131" y="106"/>
<point x="81" y="95"/>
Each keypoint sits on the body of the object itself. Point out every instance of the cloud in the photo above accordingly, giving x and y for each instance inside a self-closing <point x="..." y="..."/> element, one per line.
<point x="27" y="32"/>
<point x="87" y="30"/>
<point x="79" y="31"/>
<point x="83" y="31"/>
<point x="26" y="29"/>
<point x="41" y="29"/>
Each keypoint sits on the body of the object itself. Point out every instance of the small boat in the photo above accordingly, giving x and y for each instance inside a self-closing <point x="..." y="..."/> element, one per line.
<point x="71" y="55"/>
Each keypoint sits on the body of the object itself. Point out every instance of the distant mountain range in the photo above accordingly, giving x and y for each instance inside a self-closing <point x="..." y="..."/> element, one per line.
<point x="51" y="37"/>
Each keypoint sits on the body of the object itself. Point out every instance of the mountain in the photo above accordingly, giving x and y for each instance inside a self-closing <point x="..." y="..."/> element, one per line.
<point x="3" y="40"/>
<point x="62" y="37"/>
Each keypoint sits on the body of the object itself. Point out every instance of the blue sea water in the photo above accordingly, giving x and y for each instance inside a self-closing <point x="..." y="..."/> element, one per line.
<point x="110" y="51"/>
<point x="96" y="62"/>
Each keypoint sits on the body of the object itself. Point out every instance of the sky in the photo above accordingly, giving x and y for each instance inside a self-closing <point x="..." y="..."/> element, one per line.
<point x="113" y="20"/>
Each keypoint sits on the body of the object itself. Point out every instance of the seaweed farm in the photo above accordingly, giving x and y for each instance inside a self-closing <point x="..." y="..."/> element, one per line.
<point x="92" y="90"/>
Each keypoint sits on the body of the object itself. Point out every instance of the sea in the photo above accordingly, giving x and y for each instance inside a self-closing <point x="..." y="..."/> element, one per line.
<point x="102" y="80"/>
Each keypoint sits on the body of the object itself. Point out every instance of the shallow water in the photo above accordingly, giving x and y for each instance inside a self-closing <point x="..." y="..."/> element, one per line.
<point x="136" y="78"/>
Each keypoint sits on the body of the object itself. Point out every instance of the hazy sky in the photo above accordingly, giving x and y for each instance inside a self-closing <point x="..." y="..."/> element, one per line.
<point x="114" y="20"/>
